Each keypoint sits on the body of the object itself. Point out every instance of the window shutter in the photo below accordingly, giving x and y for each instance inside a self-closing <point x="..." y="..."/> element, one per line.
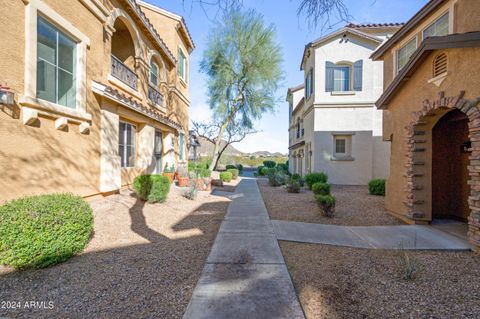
<point x="329" y="67"/>
<point x="357" y="75"/>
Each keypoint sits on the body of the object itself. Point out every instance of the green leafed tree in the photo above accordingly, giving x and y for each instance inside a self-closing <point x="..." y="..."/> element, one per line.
<point x="242" y="62"/>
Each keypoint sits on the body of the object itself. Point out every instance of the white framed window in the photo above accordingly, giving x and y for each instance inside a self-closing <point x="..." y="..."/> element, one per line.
<point x="181" y="146"/>
<point x="309" y="84"/>
<point x="55" y="62"/>
<point x="405" y="52"/>
<point x="182" y="65"/>
<point x="153" y="74"/>
<point x="342" y="147"/>
<point x="127" y="144"/>
<point x="341" y="78"/>
<point x="438" y="28"/>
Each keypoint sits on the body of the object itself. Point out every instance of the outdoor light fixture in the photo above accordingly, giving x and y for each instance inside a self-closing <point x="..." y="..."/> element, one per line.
<point x="6" y="96"/>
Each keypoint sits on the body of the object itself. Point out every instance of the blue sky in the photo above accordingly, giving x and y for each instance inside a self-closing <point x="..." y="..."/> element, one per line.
<point x="292" y="34"/>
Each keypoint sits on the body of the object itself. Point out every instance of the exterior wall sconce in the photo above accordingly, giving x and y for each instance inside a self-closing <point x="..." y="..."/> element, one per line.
<point x="6" y="96"/>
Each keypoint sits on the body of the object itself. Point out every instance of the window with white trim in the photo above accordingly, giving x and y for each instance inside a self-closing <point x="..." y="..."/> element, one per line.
<point x="56" y="65"/>
<point x="438" y="28"/>
<point x="341" y="78"/>
<point x="127" y="144"/>
<point x="405" y="52"/>
<point x="309" y="84"/>
<point x="342" y="147"/>
<point x="182" y="147"/>
<point x="182" y="65"/>
<point x="153" y="74"/>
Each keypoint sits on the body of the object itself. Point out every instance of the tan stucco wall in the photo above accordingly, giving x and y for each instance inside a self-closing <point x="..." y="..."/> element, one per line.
<point x="463" y="66"/>
<point x="465" y="19"/>
<point x="38" y="158"/>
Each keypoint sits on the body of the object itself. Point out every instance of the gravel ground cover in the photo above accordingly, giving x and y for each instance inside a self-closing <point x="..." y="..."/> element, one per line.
<point x="338" y="282"/>
<point x="143" y="261"/>
<point x="354" y="206"/>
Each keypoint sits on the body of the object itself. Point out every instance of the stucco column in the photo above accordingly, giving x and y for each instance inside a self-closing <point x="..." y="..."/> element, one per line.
<point x="146" y="141"/>
<point x="110" y="177"/>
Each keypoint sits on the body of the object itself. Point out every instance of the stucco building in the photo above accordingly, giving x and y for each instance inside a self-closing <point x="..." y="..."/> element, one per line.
<point x="432" y="116"/>
<point x="334" y="124"/>
<point x="100" y="94"/>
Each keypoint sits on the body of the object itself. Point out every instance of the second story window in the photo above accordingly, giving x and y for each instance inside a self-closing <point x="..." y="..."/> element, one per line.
<point x="309" y="84"/>
<point x="182" y="65"/>
<point x="405" y="52"/>
<point x="343" y="77"/>
<point x="56" y="65"/>
<point x="153" y="74"/>
<point x="438" y="28"/>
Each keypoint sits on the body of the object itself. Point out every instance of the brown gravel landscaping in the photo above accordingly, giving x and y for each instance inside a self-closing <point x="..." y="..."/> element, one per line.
<point x="338" y="282"/>
<point x="354" y="206"/>
<point x="143" y="262"/>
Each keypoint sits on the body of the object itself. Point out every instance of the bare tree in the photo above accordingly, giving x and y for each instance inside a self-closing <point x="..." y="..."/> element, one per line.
<point x="233" y="134"/>
<point x="319" y="13"/>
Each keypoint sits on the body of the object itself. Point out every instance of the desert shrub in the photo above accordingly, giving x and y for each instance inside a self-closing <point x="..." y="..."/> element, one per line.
<point x="277" y="178"/>
<point x="226" y="176"/>
<point x="230" y="166"/>
<point x="259" y="170"/>
<point x="234" y="172"/>
<point x="203" y="172"/>
<point x="270" y="171"/>
<point x="282" y="167"/>
<point x="191" y="193"/>
<point x="321" y="188"/>
<point x="293" y="186"/>
<point x="376" y="187"/>
<point x="269" y="164"/>
<point x="312" y="178"/>
<point x="240" y="167"/>
<point x="40" y="231"/>
<point x="298" y="178"/>
<point x="152" y="188"/>
<point x="327" y="204"/>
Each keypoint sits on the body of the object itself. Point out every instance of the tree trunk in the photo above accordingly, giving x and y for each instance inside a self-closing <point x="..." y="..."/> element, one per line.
<point x="216" y="149"/>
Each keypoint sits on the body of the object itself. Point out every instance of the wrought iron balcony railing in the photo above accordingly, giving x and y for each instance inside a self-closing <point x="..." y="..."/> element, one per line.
<point x="155" y="96"/>
<point x="123" y="73"/>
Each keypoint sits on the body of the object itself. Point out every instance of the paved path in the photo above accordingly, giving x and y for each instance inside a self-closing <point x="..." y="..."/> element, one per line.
<point x="245" y="275"/>
<point x="372" y="237"/>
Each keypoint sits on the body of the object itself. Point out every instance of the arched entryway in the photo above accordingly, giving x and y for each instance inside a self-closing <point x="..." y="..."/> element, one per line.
<point x="450" y="152"/>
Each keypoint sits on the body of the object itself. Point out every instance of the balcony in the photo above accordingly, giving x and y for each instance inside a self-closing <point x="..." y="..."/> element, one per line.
<point x="155" y="96"/>
<point x="123" y="73"/>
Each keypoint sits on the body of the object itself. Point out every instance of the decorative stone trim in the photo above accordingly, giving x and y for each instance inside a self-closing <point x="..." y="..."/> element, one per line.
<point x="61" y="123"/>
<point x="414" y="179"/>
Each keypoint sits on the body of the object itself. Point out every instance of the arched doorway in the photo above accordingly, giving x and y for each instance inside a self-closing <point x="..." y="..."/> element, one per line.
<point x="450" y="160"/>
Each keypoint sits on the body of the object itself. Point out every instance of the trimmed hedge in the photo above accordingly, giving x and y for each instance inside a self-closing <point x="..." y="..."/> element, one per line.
<point x="240" y="168"/>
<point x="376" y="187"/>
<point x="40" y="231"/>
<point x="234" y="172"/>
<point x="152" y="188"/>
<point x="327" y="204"/>
<point x="313" y="178"/>
<point x="293" y="186"/>
<point x="296" y="177"/>
<point x="283" y="167"/>
<point x="259" y="170"/>
<point x="230" y="166"/>
<point x="269" y="164"/>
<point x="321" y="188"/>
<point x="226" y="176"/>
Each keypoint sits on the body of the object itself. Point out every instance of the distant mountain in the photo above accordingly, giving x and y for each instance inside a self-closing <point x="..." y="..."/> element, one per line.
<point x="206" y="149"/>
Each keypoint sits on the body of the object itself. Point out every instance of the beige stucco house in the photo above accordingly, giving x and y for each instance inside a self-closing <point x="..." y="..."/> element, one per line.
<point x="432" y="116"/>
<point x="100" y="95"/>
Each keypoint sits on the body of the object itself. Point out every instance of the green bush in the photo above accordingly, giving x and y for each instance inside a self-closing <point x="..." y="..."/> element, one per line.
<point x="327" y="204"/>
<point x="234" y="172"/>
<point x="226" y="176"/>
<point x="259" y="170"/>
<point x="269" y="171"/>
<point x="152" y="188"/>
<point x="376" y="187"/>
<point x="321" y="188"/>
<point x="312" y="178"/>
<point x="240" y="168"/>
<point x="230" y="166"/>
<point x="293" y="186"/>
<point x="296" y="177"/>
<point x="269" y="164"/>
<point x="40" y="231"/>
<point x="282" y="167"/>
<point x="276" y="178"/>
<point x="203" y="172"/>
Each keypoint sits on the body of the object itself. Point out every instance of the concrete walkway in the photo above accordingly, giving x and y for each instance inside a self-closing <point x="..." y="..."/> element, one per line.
<point x="245" y="275"/>
<point x="371" y="237"/>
